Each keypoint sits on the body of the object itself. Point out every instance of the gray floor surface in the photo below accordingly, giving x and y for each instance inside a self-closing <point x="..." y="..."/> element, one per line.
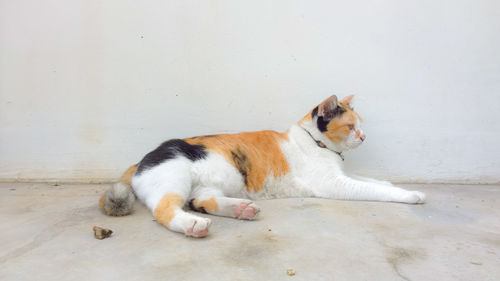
<point x="46" y="234"/>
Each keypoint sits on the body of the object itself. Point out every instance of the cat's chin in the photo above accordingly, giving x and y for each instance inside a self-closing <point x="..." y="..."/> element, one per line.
<point x="351" y="147"/>
<point x="354" y="145"/>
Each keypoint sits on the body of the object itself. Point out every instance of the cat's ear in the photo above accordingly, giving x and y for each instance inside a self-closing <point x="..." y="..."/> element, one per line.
<point x="347" y="100"/>
<point x="327" y="108"/>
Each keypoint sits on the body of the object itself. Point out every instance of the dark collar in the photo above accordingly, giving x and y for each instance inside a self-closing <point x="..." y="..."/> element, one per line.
<point x="322" y="145"/>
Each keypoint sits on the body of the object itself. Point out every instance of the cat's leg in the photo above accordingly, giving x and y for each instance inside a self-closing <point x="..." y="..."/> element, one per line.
<point x="356" y="177"/>
<point x="213" y="201"/>
<point x="164" y="189"/>
<point x="170" y="214"/>
<point x="343" y="187"/>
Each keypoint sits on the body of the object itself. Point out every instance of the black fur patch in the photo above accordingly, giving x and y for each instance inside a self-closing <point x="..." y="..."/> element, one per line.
<point x="191" y="204"/>
<point x="242" y="164"/>
<point x="322" y="122"/>
<point x="200" y="209"/>
<point x="338" y="111"/>
<point x="314" y="112"/>
<point x="169" y="150"/>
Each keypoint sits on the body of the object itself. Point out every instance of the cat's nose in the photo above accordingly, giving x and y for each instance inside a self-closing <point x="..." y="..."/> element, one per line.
<point x="362" y="137"/>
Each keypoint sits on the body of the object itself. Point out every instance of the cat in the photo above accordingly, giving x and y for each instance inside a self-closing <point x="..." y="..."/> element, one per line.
<point x="222" y="174"/>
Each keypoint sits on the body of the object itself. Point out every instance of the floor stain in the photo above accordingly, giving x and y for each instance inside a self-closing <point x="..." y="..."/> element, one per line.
<point x="399" y="256"/>
<point x="253" y="248"/>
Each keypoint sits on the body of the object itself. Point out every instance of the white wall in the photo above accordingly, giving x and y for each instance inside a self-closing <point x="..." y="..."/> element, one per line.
<point x="88" y="87"/>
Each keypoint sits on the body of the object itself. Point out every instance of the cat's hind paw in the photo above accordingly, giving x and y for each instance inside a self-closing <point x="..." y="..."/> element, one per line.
<point x="198" y="227"/>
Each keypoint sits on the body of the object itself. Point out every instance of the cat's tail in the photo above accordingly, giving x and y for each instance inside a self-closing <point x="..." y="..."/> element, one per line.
<point x="119" y="199"/>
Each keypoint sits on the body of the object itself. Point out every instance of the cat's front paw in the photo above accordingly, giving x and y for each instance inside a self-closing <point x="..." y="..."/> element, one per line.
<point x="385" y="183"/>
<point x="415" y="197"/>
<point x="197" y="227"/>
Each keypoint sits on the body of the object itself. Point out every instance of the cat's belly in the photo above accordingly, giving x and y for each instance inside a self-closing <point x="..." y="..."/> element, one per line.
<point x="215" y="172"/>
<point x="281" y="187"/>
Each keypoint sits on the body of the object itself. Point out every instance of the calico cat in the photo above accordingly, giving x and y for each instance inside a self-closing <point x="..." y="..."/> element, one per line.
<point x="221" y="174"/>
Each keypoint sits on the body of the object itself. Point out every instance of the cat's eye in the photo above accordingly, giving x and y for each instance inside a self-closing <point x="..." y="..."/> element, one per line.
<point x="351" y="127"/>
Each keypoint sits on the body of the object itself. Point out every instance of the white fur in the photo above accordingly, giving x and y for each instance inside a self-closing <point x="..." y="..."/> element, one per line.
<point x="173" y="176"/>
<point x="314" y="172"/>
<point x="184" y="221"/>
<point x="214" y="172"/>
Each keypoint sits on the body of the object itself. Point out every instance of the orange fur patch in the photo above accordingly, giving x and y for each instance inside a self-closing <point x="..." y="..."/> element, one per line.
<point x="165" y="210"/>
<point x="255" y="154"/>
<point x="347" y="100"/>
<point x="337" y="129"/>
<point x="358" y="132"/>
<point x="208" y="205"/>
<point x="127" y="176"/>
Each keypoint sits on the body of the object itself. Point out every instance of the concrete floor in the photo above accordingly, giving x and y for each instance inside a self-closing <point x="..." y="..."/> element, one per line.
<point x="46" y="234"/>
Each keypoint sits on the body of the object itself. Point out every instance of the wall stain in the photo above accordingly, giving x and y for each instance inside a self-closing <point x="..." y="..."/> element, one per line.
<point x="92" y="133"/>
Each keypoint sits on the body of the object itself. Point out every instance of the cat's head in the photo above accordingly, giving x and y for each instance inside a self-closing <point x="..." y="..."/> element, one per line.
<point x="335" y="124"/>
